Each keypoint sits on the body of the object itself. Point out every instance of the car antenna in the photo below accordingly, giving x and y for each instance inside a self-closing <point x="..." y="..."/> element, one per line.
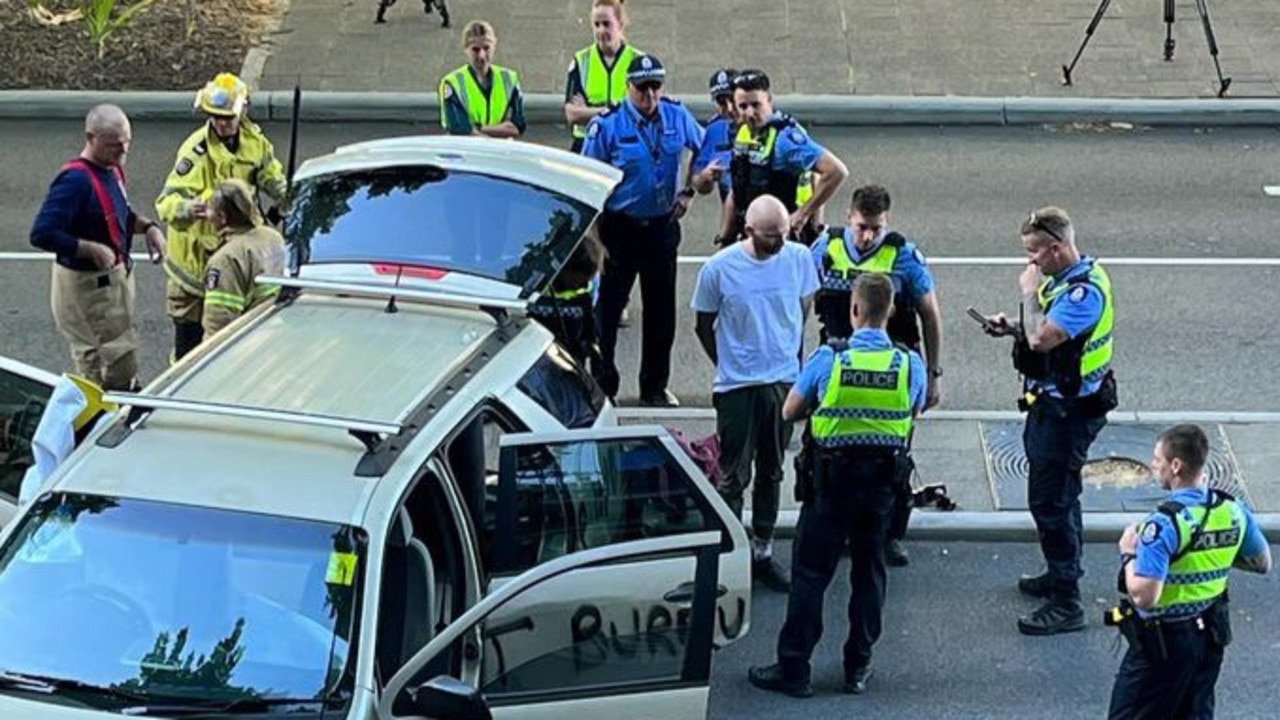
<point x="295" y="116"/>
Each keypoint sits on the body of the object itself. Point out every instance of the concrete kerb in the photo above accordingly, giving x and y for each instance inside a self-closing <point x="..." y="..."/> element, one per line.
<point x="1004" y="525"/>
<point x="815" y="110"/>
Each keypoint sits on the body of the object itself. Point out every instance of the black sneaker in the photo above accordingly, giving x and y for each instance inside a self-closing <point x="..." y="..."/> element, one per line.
<point x="1053" y="618"/>
<point x="855" y="683"/>
<point x="768" y="572"/>
<point x="426" y="6"/>
<point x="895" y="555"/>
<point x="772" y="678"/>
<point x="1036" y="586"/>
<point x="661" y="399"/>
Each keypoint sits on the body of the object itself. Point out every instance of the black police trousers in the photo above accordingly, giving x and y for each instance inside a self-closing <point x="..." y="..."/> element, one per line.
<point x="1178" y="688"/>
<point x="853" y="498"/>
<point x="644" y="249"/>
<point x="1056" y="439"/>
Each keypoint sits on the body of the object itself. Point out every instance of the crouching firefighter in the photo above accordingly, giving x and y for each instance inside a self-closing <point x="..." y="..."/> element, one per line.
<point x="1173" y="583"/>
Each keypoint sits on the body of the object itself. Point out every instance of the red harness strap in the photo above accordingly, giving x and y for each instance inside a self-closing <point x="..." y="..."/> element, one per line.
<point x="114" y="228"/>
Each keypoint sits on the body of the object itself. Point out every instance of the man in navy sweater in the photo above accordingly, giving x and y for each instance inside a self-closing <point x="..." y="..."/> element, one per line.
<point x="87" y="223"/>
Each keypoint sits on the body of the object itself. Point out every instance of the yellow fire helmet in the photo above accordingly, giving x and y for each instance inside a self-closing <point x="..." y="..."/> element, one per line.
<point x="226" y="95"/>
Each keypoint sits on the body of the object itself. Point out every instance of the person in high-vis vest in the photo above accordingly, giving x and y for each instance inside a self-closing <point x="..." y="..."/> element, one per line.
<point x="250" y="249"/>
<point x="1063" y="345"/>
<point x="771" y="152"/>
<point x="862" y="402"/>
<point x="1173" y="579"/>
<point x="481" y="98"/>
<point x="597" y="76"/>
<point x="567" y="309"/>
<point x="87" y="222"/>
<point x="229" y="145"/>
<point x="867" y="244"/>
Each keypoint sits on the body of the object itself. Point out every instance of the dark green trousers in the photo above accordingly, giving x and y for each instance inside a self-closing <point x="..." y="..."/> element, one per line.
<point x="749" y="423"/>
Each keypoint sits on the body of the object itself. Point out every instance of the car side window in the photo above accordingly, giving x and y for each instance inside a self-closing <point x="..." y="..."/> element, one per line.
<point x="472" y="456"/>
<point x="565" y="497"/>
<point x="564" y="388"/>
<point x="22" y="402"/>
<point x="423" y="578"/>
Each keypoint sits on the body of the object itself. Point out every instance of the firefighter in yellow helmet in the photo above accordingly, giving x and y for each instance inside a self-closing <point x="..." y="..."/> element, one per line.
<point x="228" y="146"/>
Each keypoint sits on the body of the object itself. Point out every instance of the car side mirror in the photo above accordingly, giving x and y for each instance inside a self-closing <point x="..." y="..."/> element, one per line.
<point x="449" y="699"/>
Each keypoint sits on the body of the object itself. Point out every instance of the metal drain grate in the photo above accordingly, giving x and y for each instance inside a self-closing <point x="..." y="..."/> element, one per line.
<point x="1117" y="477"/>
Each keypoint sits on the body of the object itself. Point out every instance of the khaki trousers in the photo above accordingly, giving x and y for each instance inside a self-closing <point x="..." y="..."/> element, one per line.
<point x="94" y="312"/>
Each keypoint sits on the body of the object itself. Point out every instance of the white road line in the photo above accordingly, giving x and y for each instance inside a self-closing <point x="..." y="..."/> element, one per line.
<point x="977" y="261"/>
<point x="1122" y="416"/>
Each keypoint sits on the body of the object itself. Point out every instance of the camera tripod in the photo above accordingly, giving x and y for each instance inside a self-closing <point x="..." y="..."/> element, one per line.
<point x="1202" y="7"/>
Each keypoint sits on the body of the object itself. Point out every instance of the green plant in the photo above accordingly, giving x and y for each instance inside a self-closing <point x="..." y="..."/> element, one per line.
<point x="103" y="18"/>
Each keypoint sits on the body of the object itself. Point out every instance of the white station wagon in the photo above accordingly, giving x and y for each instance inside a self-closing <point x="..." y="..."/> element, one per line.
<point x="387" y="495"/>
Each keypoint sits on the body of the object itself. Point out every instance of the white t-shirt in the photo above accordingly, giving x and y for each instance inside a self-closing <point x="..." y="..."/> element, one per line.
<point x="760" y="323"/>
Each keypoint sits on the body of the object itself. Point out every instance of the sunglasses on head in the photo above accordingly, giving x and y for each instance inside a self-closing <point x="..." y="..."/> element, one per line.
<point x="751" y="80"/>
<point x="1035" y="222"/>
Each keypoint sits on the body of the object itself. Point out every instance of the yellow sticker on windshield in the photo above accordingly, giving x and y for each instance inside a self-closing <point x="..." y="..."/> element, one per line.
<point x="342" y="569"/>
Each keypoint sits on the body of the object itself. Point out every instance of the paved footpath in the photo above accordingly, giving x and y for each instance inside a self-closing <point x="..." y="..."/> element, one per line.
<point x="866" y="47"/>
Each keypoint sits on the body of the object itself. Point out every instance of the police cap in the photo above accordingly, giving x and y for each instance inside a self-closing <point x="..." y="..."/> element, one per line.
<point x="645" y="68"/>
<point x="721" y="82"/>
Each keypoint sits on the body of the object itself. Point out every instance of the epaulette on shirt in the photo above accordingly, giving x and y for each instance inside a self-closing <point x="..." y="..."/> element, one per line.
<point x="201" y="147"/>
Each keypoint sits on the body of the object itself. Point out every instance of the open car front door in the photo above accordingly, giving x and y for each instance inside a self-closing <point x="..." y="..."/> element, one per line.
<point x="24" y="394"/>
<point x="567" y="491"/>
<point x="556" y="642"/>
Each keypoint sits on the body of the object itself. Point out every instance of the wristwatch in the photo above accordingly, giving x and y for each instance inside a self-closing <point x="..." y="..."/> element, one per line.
<point x="935" y="372"/>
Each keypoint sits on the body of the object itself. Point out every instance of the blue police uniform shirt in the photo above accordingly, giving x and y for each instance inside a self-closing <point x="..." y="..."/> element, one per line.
<point x="911" y="275"/>
<point x="1076" y="311"/>
<point x="760" y="313"/>
<point x="717" y="144"/>
<point x="71" y="212"/>
<point x="647" y="151"/>
<point x="812" y="384"/>
<point x="795" y="151"/>
<point x="1158" y="536"/>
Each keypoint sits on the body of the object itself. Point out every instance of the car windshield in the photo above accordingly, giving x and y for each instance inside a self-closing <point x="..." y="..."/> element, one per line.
<point x="425" y="216"/>
<point x="174" y="601"/>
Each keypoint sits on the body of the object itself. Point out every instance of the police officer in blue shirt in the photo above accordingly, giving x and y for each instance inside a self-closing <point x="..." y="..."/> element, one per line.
<point x="862" y="401"/>
<point x="712" y="163"/>
<point x="771" y="151"/>
<point x="1173" y="577"/>
<point x="1063" y="347"/>
<point x="640" y="227"/>
<point x="867" y="244"/>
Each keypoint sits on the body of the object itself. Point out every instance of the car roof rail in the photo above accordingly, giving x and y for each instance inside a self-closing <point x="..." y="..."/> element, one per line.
<point x="369" y="432"/>
<point x="500" y="309"/>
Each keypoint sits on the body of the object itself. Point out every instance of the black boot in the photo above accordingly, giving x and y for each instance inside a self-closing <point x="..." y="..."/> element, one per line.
<point x="895" y="554"/>
<point x="444" y="16"/>
<point x="1061" y="614"/>
<point x="774" y="679"/>
<point x="426" y="7"/>
<point x="1036" y="586"/>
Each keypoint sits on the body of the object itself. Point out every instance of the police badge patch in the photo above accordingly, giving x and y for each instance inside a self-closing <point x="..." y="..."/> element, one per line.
<point x="797" y="136"/>
<point x="1150" y="533"/>
<point x="184" y="166"/>
<point x="211" y="280"/>
<point x="1077" y="294"/>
